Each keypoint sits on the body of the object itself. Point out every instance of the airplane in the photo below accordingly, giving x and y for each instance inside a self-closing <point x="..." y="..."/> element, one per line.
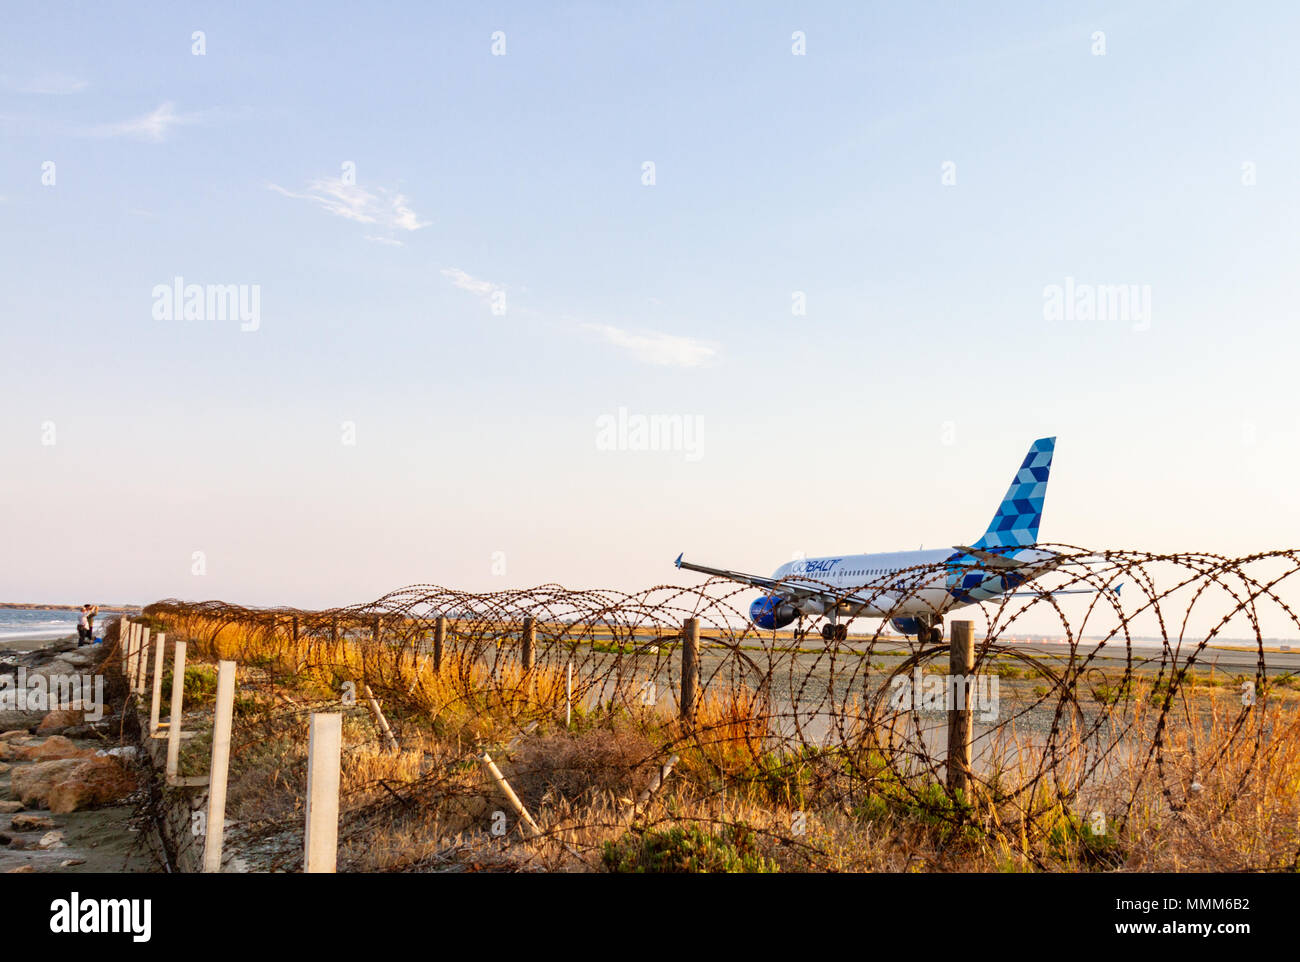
<point x="914" y="589"/>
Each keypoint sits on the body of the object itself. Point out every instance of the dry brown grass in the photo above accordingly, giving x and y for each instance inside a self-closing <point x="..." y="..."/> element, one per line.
<point x="851" y="806"/>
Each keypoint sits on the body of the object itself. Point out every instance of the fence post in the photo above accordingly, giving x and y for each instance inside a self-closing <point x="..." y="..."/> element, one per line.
<point x="381" y="721"/>
<point x="132" y="652"/>
<point x="324" y="754"/>
<point x="155" y="696"/>
<point x="690" y="666"/>
<point x="174" y="719"/>
<point x="220" y="765"/>
<point x="439" y="639"/>
<point x="375" y="629"/>
<point x="141" y="660"/>
<point x="568" y="694"/>
<point x="295" y="629"/>
<point x="124" y="642"/>
<point x="529" y="637"/>
<point x="961" y="663"/>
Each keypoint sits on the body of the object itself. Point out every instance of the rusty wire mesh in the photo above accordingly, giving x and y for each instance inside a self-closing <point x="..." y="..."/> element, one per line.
<point x="796" y="749"/>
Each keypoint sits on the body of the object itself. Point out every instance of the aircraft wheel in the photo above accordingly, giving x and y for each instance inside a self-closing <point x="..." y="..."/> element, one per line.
<point x="828" y="632"/>
<point x="841" y="632"/>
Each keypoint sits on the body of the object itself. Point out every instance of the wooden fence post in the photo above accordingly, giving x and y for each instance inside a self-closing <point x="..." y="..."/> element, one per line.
<point x="439" y="639"/>
<point x="568" y="695"/>
<point x="690" y="666"/>
<point x="375" y="629"/>
<point x="529" y="638"/>
<point x="324" y="754"/>
<point x="961" y="663"/>
<point x="155" y="696"/>
<point x="220" y="769"/>
<point x="381" y="721"/>
<point x="511" y="798"/>
<point x="295" y="629"/>
<point x="174" y="719"/>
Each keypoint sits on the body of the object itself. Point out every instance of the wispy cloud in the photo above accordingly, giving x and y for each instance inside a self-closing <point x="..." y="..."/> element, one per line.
<point x="654" y="347"/>
<point x="467" y="282"/>
<point x="152" y="126"/>
<point x="55" y="84"/>
<point x="387" y="241"/>
<point x="383" y="208"/>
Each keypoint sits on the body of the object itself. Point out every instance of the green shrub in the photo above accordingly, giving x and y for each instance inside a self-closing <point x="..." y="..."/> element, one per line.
<point x="687" y="849"/>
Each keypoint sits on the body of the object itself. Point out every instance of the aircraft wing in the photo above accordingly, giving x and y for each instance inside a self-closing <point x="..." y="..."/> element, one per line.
<point x="791" y="590"/>
<point x="758" y="581"/>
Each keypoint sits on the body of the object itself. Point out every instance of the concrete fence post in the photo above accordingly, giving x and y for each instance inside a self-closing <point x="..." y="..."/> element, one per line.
<point x="690" y="666"/>
<point x="174" y="719"/>
<point x="142" y="661"/>
<point x="132" y="647"/>
<point x="220" y="770"/>
<point x="961" y="663"/>
<point x="155" y="696"/>
<point x="124" y="643"/>
<point x="324" y="761"/>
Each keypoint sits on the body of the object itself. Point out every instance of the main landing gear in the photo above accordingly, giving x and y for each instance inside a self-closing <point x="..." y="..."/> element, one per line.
<point x="835" y="632"/>
<point x="930" y="634"/>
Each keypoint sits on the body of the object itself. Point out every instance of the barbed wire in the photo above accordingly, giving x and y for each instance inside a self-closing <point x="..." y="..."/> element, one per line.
<point x="793" y="746"/>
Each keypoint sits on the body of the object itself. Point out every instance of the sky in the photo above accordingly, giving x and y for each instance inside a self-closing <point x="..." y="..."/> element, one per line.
<point x="482" y="246"/>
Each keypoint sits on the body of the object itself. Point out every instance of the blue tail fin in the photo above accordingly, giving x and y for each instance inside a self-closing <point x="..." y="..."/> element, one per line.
<point x="1016" y="523"/>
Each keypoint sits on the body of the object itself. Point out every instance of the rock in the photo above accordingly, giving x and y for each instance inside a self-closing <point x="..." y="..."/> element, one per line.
<point x="31" y="823"/>
<point x="4" y="767"/>
<point x="32" y="783"/>
<point x="124" y="752"/>
<point x="16" y="733"/>
<point x="25" y="720"/>
<point x="97" y="782"/>
<point x="20" y="870"/>
<point x="83" y="657"/>
<point x="56" y="746"/>
<point x="69" y="784"/>
<point x="69" y="862"/>
<point x="10" y="808"/>
<point x="59" y="720"/>
<point x="52" y="840"/>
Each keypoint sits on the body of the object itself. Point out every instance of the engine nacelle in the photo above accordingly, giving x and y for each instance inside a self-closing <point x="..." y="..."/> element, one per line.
<point x="907" y="626"/>
<point x="771" y="612"/>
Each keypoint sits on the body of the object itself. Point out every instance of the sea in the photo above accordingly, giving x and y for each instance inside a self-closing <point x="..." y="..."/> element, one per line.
<point x="42" y="623"/>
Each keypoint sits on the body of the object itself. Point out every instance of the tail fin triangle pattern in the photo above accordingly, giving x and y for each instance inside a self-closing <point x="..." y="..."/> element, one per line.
<point x="1016" y="523"/>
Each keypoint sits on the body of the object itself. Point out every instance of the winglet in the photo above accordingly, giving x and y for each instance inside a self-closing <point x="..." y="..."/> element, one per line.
<point x="678" y="562"/>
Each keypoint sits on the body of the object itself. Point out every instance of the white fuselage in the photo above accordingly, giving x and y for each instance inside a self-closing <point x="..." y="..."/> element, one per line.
<point x="890" y="583"/>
